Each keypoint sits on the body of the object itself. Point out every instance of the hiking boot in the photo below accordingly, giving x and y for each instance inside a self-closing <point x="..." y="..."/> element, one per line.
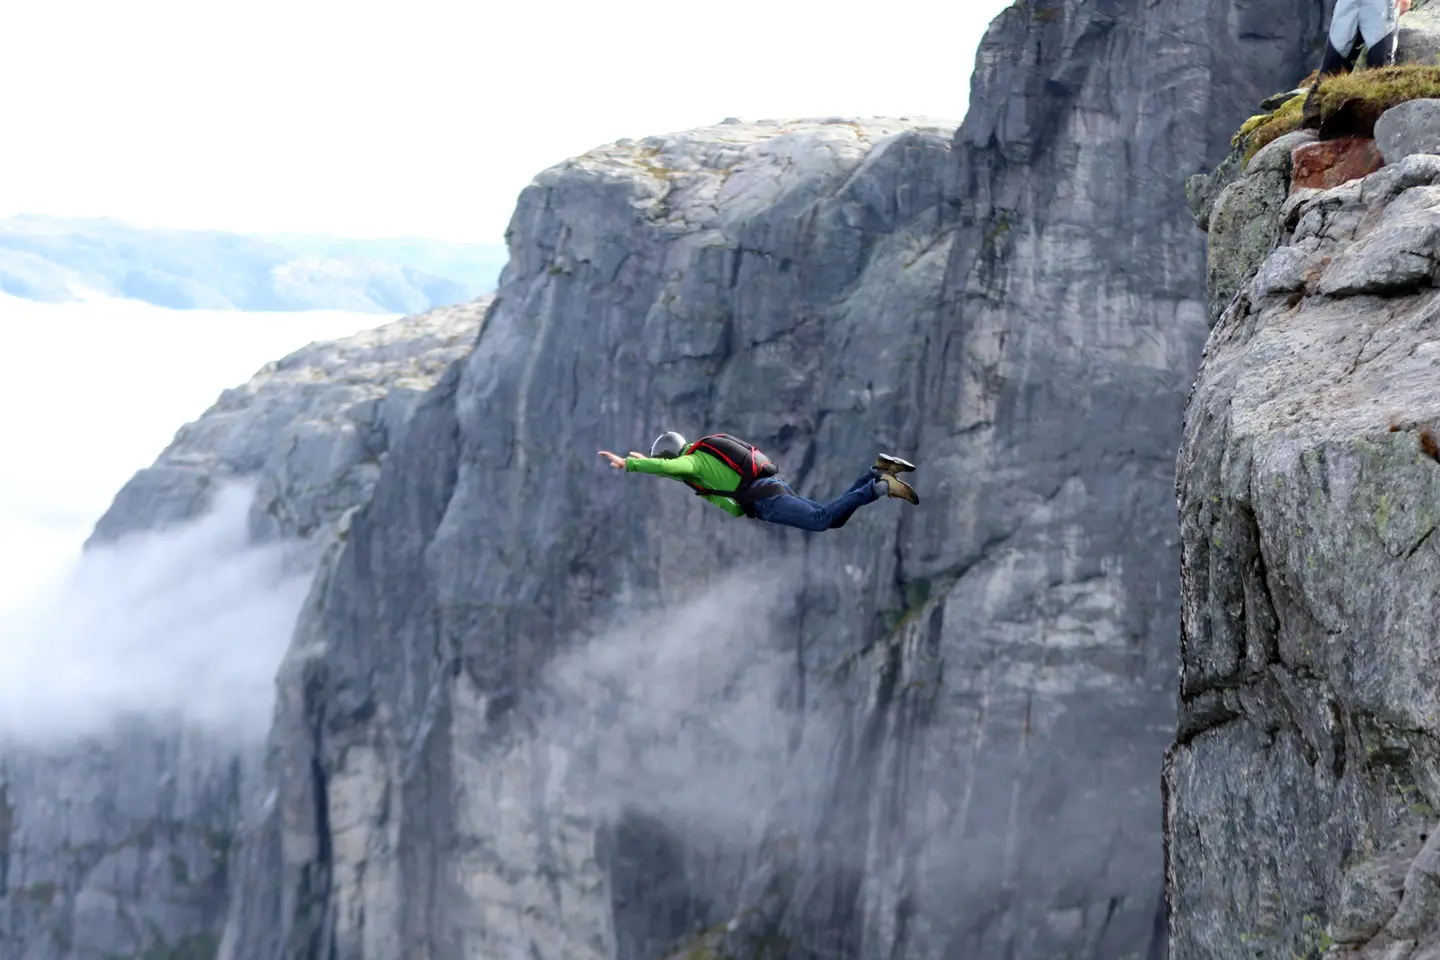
<point x="892" y="465"/>
<point x="899" y="488"/>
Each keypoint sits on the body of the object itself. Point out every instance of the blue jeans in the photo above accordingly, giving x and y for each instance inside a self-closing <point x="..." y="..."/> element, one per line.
<point x="791" y="510"/>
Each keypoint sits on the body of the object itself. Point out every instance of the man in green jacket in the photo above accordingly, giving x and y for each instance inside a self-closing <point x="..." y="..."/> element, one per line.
<point x="742" y="481"/>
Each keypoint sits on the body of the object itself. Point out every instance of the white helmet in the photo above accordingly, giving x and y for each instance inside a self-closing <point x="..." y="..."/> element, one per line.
<point x="667" y="445"/>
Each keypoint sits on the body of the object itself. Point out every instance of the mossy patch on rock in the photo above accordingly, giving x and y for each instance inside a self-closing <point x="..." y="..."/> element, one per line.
<point x="40" y="893"/>
<point x="1346" y="105"/>
<point x="1261" y="130"/>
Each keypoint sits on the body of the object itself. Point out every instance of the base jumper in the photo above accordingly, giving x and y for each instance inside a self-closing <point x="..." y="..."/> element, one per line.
<point x="742" y="481"/>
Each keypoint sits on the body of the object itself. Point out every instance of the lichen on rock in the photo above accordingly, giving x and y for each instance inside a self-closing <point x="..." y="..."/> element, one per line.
<point x="1245" y="223"/>
<point x="1301" y="792"/>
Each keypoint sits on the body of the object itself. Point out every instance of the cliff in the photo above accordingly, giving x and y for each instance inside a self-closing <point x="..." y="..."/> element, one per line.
<point x="117" y="834"/>
<point x="958" y="753"/>
<point x="535" y="708"/>
<point x="1302" y="789"/>
<point x="309" y="432"/>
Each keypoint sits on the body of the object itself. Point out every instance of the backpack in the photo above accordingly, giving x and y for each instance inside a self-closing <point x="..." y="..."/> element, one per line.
<point x="745" y="460"/>
<point x="738" y="455"/>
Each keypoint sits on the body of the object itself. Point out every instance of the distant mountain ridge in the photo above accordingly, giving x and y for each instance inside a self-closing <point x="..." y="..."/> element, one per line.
<point x="56" y="259"/>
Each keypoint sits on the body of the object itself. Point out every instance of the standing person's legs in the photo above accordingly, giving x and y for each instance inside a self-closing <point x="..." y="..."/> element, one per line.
<point x="1382" y="51"/>
<point x="1343" y="38"/>
<point x="1334" y="62"/>
<point x="1380" y="28"/>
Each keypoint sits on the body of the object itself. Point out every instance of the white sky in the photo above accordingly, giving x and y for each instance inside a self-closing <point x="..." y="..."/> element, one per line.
<point x="142" y="372"/>
<point x="421" y="117"/>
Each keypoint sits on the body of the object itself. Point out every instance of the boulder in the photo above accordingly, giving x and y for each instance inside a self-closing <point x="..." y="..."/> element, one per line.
<point x="1410" y="128"/>
<point x="1244" y="222"/>
<point x="1329" y="163"/>
<point x="1419" y="40"/>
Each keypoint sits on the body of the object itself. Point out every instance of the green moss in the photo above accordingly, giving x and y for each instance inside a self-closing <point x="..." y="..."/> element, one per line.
<point x="998" y="228"/>
<point x="1315" y="940"/>
<point x="1378" y="90"/>
<point x="1264" y="129"/>
<point x="706" y="945"/>
<point x="1050" y="13"/>
<point x="769" y="944"/>
<point x="917" y="594"/>
<point x="1350" y="101"/>
<point x="661" y="173"/>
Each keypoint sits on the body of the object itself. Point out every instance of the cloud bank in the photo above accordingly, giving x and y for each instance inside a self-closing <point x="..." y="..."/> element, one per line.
<point x="687" y="714"/>
<point x="184" y="625"/>
<point x="187" y="623"/>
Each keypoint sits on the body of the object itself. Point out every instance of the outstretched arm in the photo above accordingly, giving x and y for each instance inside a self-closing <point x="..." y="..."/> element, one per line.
<point x="682" y="467"/>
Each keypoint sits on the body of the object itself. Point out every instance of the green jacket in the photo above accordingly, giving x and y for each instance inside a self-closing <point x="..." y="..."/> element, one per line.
<point x="711" y="472"/>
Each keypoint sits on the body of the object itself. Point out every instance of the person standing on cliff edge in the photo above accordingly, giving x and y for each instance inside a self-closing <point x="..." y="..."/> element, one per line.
<point x="1356" y="23"/>
<point x="743" y="482"/>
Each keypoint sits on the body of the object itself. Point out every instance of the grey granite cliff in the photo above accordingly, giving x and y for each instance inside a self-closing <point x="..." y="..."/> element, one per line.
<point x="533" y="708"/>
<point x="117" y="842"/>
<point x="1302" y="789"/>
<point x="978" y="693"/>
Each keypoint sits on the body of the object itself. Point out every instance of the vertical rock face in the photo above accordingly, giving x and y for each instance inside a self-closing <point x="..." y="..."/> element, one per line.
<point x="1244" y="224"/>
<point x="534" y="708"/>
<point x="1072" y="316"/>
<point x="117" y="847"/>
<point x="1302" y="790"/>
<point x="118" y="841"/>
<point x="309" y="431"/>
<point x="758" y="278"/>
<point x="978" y="692"/>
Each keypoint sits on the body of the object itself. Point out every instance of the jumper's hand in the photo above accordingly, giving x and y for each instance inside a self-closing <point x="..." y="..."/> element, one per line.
<point x="642" y="456"/>
<point x="1402" y="7"/>
<point x="617" y="462"/>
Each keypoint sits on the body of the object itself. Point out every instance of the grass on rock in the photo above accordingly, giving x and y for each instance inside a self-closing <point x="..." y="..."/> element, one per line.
<point x="1348" y="104"/>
